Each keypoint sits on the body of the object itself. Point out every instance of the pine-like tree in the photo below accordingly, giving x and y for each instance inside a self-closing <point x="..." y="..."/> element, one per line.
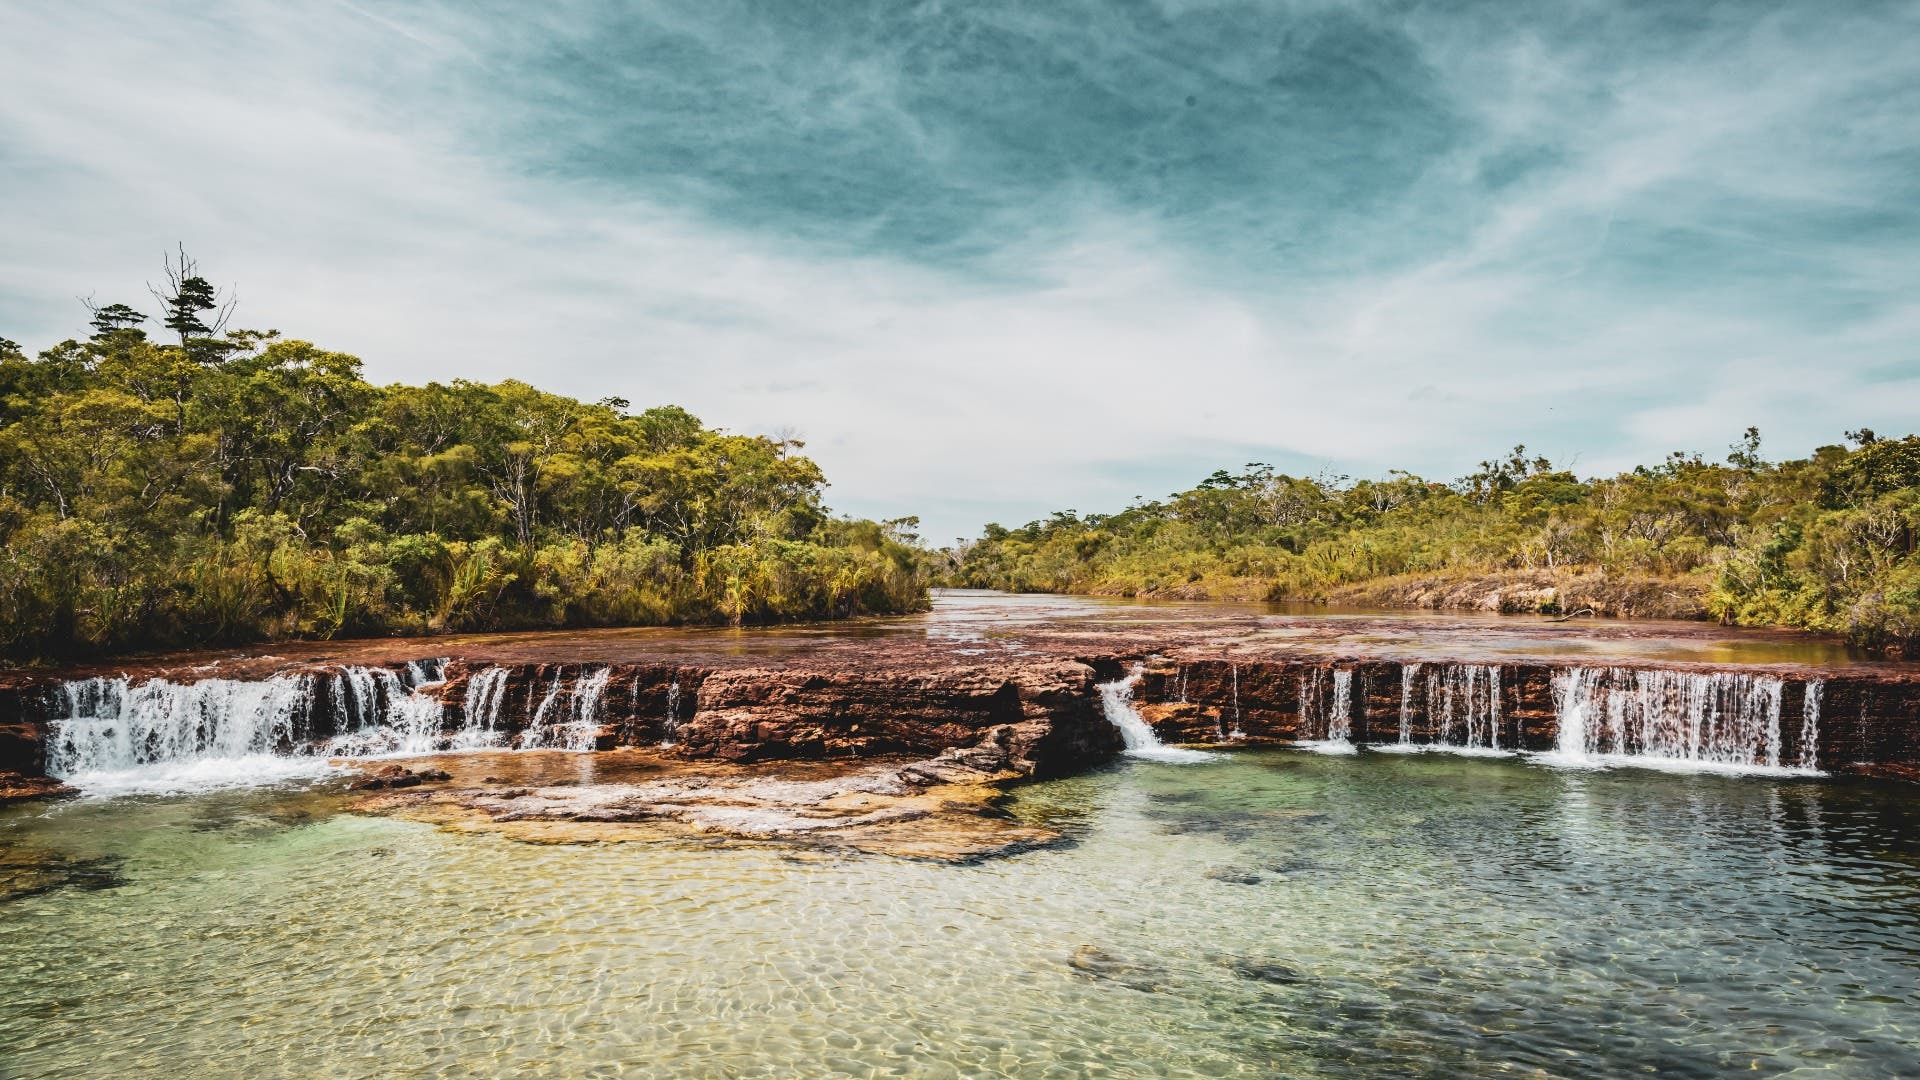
<point x="190" y="305"/>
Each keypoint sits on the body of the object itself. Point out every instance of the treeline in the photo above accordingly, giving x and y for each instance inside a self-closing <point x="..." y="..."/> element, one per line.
<point x="229" y="486"/>
<point x="1823" y="543"/>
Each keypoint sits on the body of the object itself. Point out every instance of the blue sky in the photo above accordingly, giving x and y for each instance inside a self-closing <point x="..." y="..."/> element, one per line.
<point x="994" y="259"/>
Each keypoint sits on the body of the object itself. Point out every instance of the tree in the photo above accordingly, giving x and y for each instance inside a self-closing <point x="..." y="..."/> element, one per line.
<point x="242" y="486"/>
<point x="113" y="319"/>
<point x="1746" y="453"/>
<point x="1496" y="476"/>
<point x="185" y="298"/>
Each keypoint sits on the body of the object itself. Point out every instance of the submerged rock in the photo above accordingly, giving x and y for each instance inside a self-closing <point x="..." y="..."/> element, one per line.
<point x="30" y="871"/>
<point x="943" y="809"/>
<point x="1096" y="963"/>
<point x="15" y="787"/>
<point x="1266" y="971"/>
<point x="398" y="776"/>
<point x="1234" y="875"/>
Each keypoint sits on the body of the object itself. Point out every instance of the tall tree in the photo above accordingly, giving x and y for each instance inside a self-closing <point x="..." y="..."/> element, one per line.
<point x="186" y="298"/>
<point x="111" y="319"/>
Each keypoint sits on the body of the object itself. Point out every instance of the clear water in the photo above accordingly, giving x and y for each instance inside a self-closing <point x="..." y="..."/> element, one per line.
<point x="1265" y="913"/>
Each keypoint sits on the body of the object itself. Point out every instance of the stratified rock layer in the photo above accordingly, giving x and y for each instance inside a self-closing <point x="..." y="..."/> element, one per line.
<point x="918" y="688"/>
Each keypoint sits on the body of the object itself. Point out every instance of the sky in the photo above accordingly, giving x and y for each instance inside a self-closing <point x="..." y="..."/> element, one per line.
<point x="995" y="259"/>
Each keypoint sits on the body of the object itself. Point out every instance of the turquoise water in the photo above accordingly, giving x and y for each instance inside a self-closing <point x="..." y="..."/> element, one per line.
<point x="1261" y="913"/>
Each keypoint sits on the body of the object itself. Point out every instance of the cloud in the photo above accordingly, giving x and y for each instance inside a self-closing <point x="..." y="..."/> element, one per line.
<point x="1372" y="241"/>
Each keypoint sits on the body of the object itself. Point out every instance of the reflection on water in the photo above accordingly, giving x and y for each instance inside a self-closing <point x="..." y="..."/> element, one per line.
<point x="1271" y="912"/>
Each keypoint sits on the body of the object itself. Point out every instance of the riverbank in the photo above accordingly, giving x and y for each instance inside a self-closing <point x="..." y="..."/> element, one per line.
<point x="1824" y="544"/>
<point x="1561" y="592"/>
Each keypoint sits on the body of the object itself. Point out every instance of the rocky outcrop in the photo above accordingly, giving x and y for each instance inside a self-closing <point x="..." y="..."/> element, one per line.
<point x="942" y="810"/>
<point x="1042" y="716"/>
<point x="23" y="745"/>
<point x="1864" y="721"/>
<point x="1048" y="710"/>
<point x="990" y="685"/>
<point x="1260" y="702"/>
<point x="389" y="777"/>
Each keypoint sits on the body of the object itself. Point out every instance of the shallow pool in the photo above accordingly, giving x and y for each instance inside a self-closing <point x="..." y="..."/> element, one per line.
<point x="1259" y="913"/>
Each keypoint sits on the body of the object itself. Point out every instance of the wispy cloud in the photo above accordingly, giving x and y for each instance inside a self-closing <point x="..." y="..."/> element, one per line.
<point x="990" y="260"/>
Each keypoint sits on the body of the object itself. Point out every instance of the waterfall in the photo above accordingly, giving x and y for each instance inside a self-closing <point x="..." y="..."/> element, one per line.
<point x="1238" y="731"/>
<point x="117" y="735"/>
<point x="1672" y="719"/>
<point x="670" y="727"/>
<point x="381" y="712"/>
<point x="1408" y="673"/>
<point x="114" y="735"/>
<point x="114" y="728"/>
<point x="486" y="692"/>
<point x="1340" y="720"/>
<point x="1116" y="699"/>
<point x="1810" y="725"/>
<point x="1572" y="700"/>
<point x="1336" y="719"/>
<point x="537" y="714"/>
<point x="1466" y="699"/>
<point x="574" y="726"/>
<point x="1460" y="707"/>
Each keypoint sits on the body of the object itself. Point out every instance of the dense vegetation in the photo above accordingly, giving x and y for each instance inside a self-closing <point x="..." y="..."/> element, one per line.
<point x="229" y="486"/>
<point x="1825" y="543"/>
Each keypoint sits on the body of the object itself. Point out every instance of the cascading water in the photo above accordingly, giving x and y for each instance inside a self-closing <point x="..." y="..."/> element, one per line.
<point x="539" y="715"/>
<point x="574" y="725"/>
<point x="1340" y="720"/>
<point x="1677" y="719"/>
<point x="1466" y="698"/>
<point x="1238" y="732"/>
<point x="486" y="692"/>
<point x="670" y="726"/>
<point x="1459" y="704"/>
<point x="585" y="728"/>
<point x="1810" y="725"/>
<point x="1408" y="673"/>
<point x="1116" y="699"/>
<point x="116" y="735"/>
<point x="159" y="735"/>
<point x="386" y="713"/>
<point x="1335" y="716"/>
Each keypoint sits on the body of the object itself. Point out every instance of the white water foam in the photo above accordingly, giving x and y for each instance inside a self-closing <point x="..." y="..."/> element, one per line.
<point x="1677" y="721"/>
<point x="1408" y="673"/>
<point x="1466" y="698"/>
<point x="486" y="692"/>
<point x="1116" y="698"/>
<point x="670" y="726"/>
<point x="201" y="774"/>
<point x="115" y="736"/>
<point x="113" y="727"/>
<point x="575" y="725"/>
<point x="1336" y="719"/>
